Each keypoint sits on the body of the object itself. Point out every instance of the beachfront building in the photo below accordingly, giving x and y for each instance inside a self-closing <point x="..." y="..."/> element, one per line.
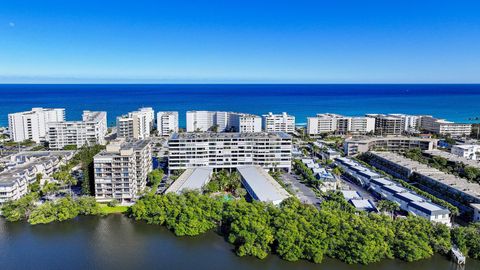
<point x="335" y="123"/>
<point x="407" y="200"/>
<point x="278" y="122"/>
<point x="229" y="150"/>
<point x="468" y="151"/>
<point x="32" y="125"/>
<point x="387" y="124"/>
<point x="261" y="186"/>
<point x="22" y="169"/>
<point x="444" y="127"/>
<point x="91" y="130"/>
<point x="167" y="123"/>
<point x="136" y="124"/>
<point x="411" y="123"/>
<point x="357" y="145"/>
<point x="457" y="191"/>
<point x="121" y="170"/>
<point x="217" y="121"/>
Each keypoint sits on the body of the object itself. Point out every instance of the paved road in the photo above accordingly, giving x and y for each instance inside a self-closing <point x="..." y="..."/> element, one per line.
<point x="362" y="191"/>
<point x="303" y="192"/>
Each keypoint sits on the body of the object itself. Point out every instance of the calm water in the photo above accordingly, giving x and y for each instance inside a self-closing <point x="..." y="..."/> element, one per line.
<point x="454" y="102"/>
<point x="116" y="242"/>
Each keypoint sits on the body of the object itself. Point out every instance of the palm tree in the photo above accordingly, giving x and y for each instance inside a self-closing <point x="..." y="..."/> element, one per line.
<point x="388" y="206"/>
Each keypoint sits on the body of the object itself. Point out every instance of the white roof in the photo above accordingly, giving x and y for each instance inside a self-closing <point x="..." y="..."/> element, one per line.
<point x="350" y="194"/>
<point x="191" y="179"/>
<point x="362" y="204"/>
<point x="264" y="187"/>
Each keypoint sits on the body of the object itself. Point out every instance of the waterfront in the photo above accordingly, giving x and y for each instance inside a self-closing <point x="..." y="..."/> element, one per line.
<point x="116" y="242"/>
<point x="454" y="102"/>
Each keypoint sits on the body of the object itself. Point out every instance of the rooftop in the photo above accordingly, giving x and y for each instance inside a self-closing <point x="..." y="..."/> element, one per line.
<point x="454" y="158"/>
<point x="232" y="135"/>
<point x="367" y="139"/>
<point x="429" y="208"/>
<point x="191" y="179"/>
<point x="262" y="184"/>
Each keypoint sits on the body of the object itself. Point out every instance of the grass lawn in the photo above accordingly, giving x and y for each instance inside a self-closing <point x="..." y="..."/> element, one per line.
<point x="112" y="210"/>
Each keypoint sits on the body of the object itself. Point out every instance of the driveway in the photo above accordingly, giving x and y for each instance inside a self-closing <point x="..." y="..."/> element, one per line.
<point x="303" y="192"/>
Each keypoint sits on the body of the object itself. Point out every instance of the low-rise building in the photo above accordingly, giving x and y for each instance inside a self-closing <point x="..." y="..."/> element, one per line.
<point x="358" y="145"/>
<point x="167" y="123"/>
<point x="278" y="122"/>
<point x="191" y="179"/>
<point x="22" y="169"/>
<point x="229" y="150"/>
<point x="262" y="186"/>
<point x="468" y="151"/>
<point x="90" y="131"/>
<point x="121" y="170"/>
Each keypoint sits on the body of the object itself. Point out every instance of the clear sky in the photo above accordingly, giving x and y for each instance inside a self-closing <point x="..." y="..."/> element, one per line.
<point x="398" y="41"/>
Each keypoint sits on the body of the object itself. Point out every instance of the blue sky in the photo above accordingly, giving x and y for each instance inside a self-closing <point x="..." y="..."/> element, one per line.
<point x="240" y="41"/>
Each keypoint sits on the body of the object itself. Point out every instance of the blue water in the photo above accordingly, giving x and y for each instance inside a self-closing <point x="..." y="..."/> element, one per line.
<point x="454" y="102"/>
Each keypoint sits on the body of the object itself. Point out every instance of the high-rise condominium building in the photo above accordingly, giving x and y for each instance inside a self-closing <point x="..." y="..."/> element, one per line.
<point x="91" y="130"/>
<point x="216" y="121"/>
<point x="32" y="125"/>
<point x="387" y="124"/>
<point x="229" y="150"/>
<point x="167" y="123"/>
<point x="121" y="170"/>
<point x="335" y="123"/>
<point x="278" y="122"/>
<point x="135" y="125"/>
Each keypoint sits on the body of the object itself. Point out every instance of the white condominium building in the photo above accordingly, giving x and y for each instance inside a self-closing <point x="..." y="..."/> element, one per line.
<point x="329" y="122"/>
<point x="278" y="122"/>
<point x="468" y="151"/>
<point x="135" y="125"/>
<point x="387" y="124"/>
<point x="411" y="123"/>
<point x="229" y="150"/>
<point x="217" y="121"/>
<point x="121" y="170"/>
<point x="22" y="169"/>
<point x="91" y="130"/>
<point x="444" y="127"/>
<point x="150" y="115"/>
<point x="167" y="123"/>
<point x="32" y="125"/>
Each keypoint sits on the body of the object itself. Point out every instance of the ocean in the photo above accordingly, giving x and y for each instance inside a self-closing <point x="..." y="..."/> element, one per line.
<point x="459" y="103"/>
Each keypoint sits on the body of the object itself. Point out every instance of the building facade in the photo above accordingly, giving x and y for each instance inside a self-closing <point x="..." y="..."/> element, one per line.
<point x="229" y="150"/>
<point x="32" y="125"/>
<point x="91" y="130"/>
<point x="121" y="170"/>
<point x="278" y="122"/>
<point x="218" y="121"/>
<point x="135" y="125"/>
<point x="388" y="125"/>
<point x="335" y="123"/>
<point x="471" y="151"/>
<point x="444" y="127"/>
<point x="167" y="123"/>
<point x="356" y="145"/>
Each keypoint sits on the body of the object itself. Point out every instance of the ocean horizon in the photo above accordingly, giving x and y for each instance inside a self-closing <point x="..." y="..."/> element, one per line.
<point x="455" y="102"/>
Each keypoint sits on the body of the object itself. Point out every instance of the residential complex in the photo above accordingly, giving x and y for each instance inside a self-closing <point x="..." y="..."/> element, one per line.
<point x="388" y="124"/>
<point x="91" y="130"/>
<point x="387" y="189"/>
<point x="32" y="125"/>
<point x="121" y="170"/>
<point x="217" y="121"/>
<point x="357" y="145"/>
<point x="278" y="122"/>
<point x="335" y="123"/>
<point x="229" y="150"/>
<point x="444" y="127"/>
<point x="22" y="169"/>
<point x="167" y="123"/>
<point x="458" y="191"/>
<point x="452" y="158"/>
<point x="135" y="125"/>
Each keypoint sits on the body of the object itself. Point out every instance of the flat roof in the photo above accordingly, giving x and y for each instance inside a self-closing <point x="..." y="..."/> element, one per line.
<point x="266" y="188"/>
<point x="191" y="179"/>
<point x="362" y="204"/>
<point x="454" y="158"/>
<point x="350" y="194"/>
<point x="229" y="135"/>
<point x="365" y="139"/>
<point x="429" y="208"/>
<point x="394" y="189"/>
<point x="409" y="197"/>
<point x="382" y="182"/>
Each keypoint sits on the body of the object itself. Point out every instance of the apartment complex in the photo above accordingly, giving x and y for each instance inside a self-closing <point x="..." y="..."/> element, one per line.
<point x="167" y="123"/>
<point x="91" y="130"/>
<point x="278" y="122"/>
<point x="229" y="150"/>
<point x="32" y="125"/>
<point x="121" y="170"/>
<point x="388" y="124"/>
<point x="135" y="125"/>
<point x="217" y="121"/>
<point x="455" y="190"/>
<point x="22" y="169"/>
<point x="444" y="127"/>
<point x="335" y="123"/>
<point x="357" y="145"/>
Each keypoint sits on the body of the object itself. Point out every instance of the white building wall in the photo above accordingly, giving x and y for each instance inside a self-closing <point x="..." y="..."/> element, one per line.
<point x="167" y="123"/>
<point x="32" y="124"/>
